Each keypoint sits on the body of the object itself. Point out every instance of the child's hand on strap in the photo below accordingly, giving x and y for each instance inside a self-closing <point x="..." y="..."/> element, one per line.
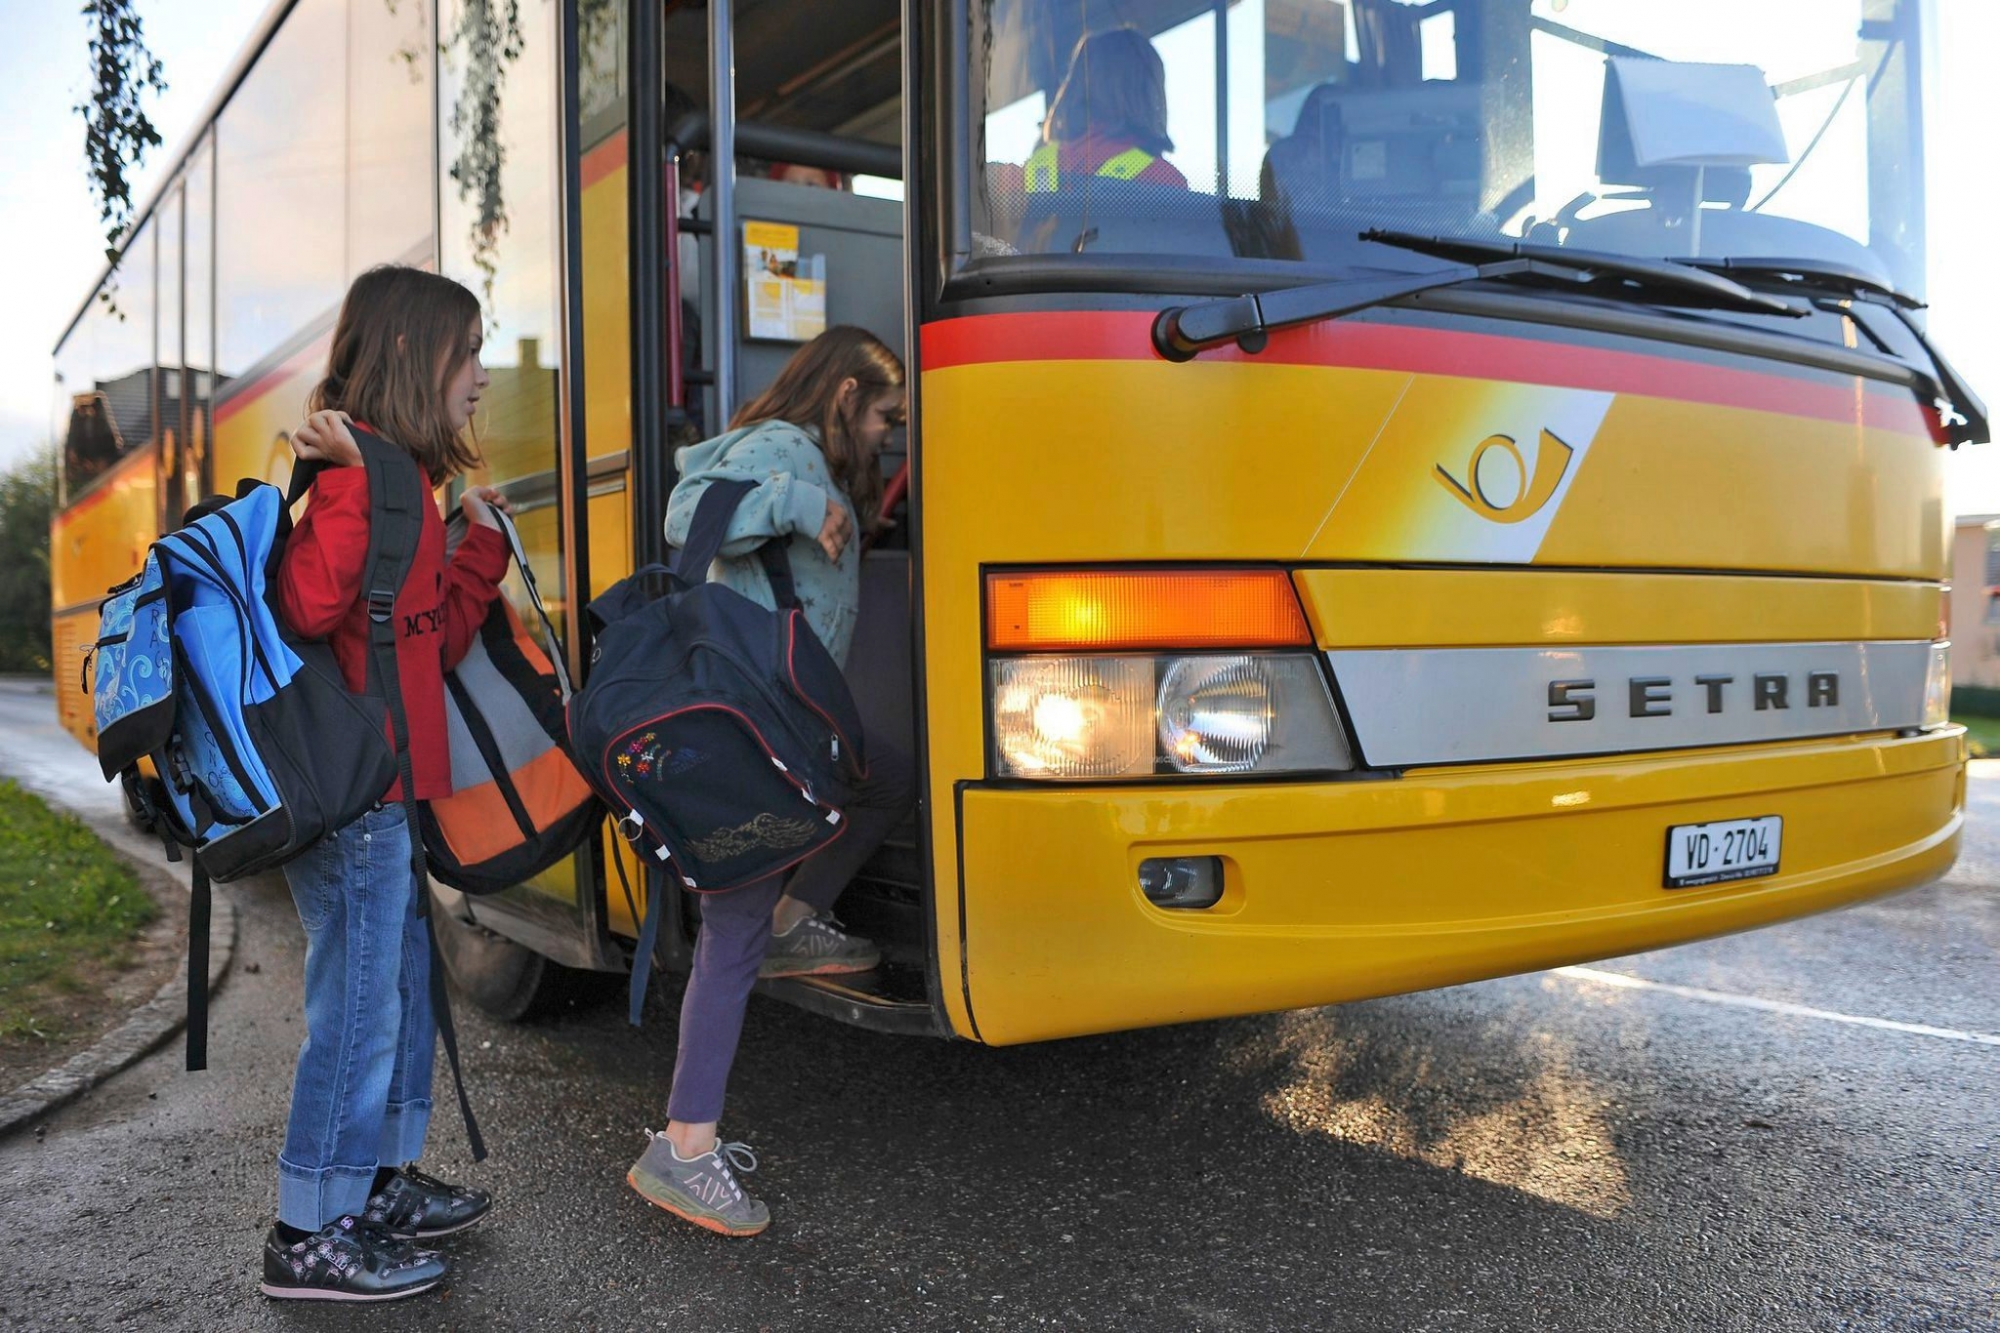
<point x="323" y="438"/>
<point x="478" y="504"/>
<point x="835" y="530"/>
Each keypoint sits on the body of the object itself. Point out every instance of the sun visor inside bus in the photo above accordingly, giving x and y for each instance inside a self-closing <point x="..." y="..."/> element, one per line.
<point x="1675" y="114"/>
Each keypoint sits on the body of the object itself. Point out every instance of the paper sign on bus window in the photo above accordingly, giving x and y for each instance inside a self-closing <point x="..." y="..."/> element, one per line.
<point x="784" y="294"/>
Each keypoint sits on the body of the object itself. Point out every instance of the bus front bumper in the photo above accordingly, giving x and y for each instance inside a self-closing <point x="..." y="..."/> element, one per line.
<point x="1342" y="891"/>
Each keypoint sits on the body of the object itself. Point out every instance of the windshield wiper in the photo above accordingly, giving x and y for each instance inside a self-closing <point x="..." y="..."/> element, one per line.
<point x="1182" y="332"/>
<point x="1811" y="275"/>
<point x="1858" y="294"/>
<point x="1714" y="290"/>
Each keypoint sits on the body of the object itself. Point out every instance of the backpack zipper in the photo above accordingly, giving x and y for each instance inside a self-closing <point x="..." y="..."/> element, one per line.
<point x="792" y="672"/>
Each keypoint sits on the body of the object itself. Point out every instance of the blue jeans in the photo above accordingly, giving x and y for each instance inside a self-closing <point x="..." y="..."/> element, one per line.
<point x="362" y="1095"/>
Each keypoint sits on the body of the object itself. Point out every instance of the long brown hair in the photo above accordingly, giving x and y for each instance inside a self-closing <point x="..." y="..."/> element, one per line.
<point x="401" y="336"/>
<point x="1116" y="85"/>
<point x="807" y="393"/>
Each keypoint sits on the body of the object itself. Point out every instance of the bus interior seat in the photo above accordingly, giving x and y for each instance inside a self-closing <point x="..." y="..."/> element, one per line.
<point x="1407" y="158"/>
<point x="1391" y="143"/>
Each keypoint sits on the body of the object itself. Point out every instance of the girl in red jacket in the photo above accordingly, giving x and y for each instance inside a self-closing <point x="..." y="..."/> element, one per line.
<point x="352" y="1207"/>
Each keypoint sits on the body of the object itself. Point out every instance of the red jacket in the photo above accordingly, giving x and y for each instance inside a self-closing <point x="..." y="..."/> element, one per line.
<point x="320" y="596"/>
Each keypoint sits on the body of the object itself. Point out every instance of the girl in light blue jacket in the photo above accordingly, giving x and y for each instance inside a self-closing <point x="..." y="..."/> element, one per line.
<point x="812" y="443"/>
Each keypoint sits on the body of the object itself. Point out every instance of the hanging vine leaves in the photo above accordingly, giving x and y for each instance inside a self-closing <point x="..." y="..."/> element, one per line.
<point x="487" y="39"/>
<point x="593" y="22"/>
<point x="415" y="49"/>
<point x="488" y="36"/>
<point x="117" y="130"/>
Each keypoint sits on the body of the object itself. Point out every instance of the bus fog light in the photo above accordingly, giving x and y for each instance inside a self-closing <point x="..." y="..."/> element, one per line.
<point x="1183" y="882"/>
<point x="1937" y="687"/>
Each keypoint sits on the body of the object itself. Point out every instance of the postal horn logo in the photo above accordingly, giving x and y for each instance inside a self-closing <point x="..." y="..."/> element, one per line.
<point x="1531" y="490"/>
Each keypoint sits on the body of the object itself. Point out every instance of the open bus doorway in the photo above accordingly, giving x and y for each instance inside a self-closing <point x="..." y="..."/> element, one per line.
<point x="818" y="94"/>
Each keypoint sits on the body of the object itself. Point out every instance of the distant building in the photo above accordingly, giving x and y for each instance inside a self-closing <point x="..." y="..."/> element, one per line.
<point x="1972" y="614"/>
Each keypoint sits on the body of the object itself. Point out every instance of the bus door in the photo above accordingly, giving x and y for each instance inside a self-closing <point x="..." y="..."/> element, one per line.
<point x="803" y="233"/>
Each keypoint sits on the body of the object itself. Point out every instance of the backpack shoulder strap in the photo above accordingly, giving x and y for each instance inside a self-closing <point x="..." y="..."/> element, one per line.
<point x="550" y="639"/>
<point x="396" y="496"/>
<point x="710" y="528"/>
<point x="778" y="569"/>
<point x="305" y="471"/>
<point x="199" y="908"/>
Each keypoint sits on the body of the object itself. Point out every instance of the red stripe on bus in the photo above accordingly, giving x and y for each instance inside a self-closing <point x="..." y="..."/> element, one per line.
<point x="602" y="160"/>
<point x="300" y="360"/>
<point x="1098" y="335"/>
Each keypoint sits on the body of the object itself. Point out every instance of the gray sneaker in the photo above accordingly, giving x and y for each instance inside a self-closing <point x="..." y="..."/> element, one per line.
<point x="815" y="947"/>
<point x="703" y="1189"/>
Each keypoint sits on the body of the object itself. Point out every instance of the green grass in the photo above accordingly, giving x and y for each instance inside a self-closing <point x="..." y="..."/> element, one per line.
<point x="1982" y="734"/>
<point x="69" y="909"/>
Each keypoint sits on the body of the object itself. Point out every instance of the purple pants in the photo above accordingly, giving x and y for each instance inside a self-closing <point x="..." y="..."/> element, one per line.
<point x="736" y="928"/>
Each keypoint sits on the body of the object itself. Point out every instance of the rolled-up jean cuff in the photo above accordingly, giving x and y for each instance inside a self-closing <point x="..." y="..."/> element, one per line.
<point x="310" y="1199"/>
<point x="404" y="1125"/>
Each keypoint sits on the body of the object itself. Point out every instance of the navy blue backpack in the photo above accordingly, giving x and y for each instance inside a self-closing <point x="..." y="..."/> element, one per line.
<point x="722" y="734"/>
<point x="259" y="746"/>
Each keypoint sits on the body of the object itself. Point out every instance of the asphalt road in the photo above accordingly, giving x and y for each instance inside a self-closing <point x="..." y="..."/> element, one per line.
<point x="1545" y="1152"/>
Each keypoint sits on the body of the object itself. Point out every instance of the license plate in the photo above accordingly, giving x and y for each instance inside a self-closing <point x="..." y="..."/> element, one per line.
<point x="1728" y="849"/>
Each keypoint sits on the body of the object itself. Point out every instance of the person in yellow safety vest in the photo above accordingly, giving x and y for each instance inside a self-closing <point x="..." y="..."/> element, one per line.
<point x="1109" y="117"/>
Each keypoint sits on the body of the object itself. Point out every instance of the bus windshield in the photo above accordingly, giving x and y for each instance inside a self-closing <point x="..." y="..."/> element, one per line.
<point x="1279" y="130"/>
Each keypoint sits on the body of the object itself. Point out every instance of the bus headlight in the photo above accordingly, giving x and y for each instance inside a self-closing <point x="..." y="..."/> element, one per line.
<point x="1070" y="718"/>
<point x="1937" y="687"/>
<point x="1073" y="717"/>
<point x="1216" y="714"/>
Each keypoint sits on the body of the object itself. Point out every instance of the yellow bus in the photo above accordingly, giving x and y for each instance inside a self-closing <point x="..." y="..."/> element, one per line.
<point x="1394" y="493"/>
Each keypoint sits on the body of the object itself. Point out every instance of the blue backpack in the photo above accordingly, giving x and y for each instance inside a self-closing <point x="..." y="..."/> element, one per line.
<point x="259" y="746"/>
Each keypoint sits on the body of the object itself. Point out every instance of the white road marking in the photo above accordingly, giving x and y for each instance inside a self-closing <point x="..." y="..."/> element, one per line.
<point x="1771" y="1006"/>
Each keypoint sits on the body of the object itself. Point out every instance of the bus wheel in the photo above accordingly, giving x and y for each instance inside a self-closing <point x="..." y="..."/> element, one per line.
<point x="505" y="979"/>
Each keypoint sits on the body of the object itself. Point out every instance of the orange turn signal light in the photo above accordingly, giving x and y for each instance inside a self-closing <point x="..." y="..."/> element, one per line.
<point x="1089" y="611"/>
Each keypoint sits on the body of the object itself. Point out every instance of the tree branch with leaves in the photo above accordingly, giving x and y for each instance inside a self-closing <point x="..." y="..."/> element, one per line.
<point x="117" y="130"/>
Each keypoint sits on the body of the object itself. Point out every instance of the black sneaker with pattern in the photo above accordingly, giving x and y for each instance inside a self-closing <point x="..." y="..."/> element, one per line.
<point x="416" y="1206"/>
<point x="348" y="1259"/>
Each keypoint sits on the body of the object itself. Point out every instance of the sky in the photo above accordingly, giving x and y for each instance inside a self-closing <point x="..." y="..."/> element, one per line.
<point x="52" y="242"/>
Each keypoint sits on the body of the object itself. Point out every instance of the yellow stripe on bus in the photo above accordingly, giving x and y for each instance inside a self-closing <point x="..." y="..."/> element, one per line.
<point x="1458" y="608"/>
